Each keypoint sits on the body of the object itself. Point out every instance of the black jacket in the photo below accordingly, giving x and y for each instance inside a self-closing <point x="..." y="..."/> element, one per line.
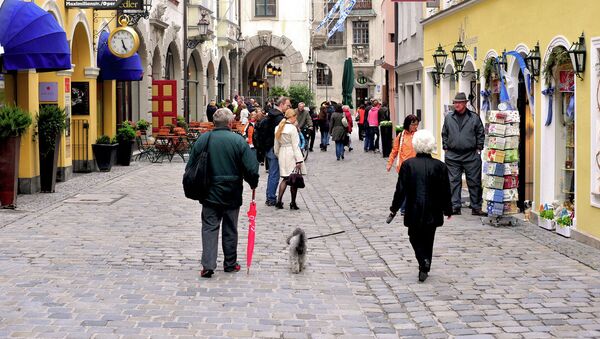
<point x="424" y="182"/>
<point x="461" y="142"/>
<point x="272" y="120"/>
<point x="230" y="161"/>
<point x="210" y="111"/>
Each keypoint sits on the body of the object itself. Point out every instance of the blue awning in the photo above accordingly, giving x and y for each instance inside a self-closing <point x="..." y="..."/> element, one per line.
<point x="32" y="39"/>
<point x="114" y="68"/>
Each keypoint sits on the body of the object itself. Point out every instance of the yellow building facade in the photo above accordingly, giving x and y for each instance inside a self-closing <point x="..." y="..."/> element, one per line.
<point x="561" y="159"/>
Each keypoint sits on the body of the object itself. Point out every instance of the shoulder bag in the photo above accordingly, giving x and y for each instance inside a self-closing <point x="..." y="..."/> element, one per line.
<point x="196" y="179"/>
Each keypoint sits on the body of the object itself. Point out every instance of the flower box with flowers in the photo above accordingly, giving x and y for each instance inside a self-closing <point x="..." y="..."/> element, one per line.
<point x="546" y="216"/>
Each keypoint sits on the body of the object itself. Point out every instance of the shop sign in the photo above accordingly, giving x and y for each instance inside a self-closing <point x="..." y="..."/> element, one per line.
<point x="95" y="4"/>
<point x="67" y="85"/>
<point x="130" y="7"/>
<point x="48" y="91"/>
<point x="566" y="81"/>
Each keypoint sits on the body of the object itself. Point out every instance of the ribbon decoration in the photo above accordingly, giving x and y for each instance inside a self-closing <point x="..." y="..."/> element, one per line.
<point x="571" y="108"/>
<point x="549" y="92"/>
<point x="343" y="15"/>
<point x="504" y="97"/>
<point x="329" y="15"/>
<point x="528" y="78"/>
<point x="485" y="105"/>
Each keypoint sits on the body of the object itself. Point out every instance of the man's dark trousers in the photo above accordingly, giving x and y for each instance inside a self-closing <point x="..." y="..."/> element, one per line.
<point x="421" y="239"/>
<point x="211" y="220"/>
<point x="472" y="170"/>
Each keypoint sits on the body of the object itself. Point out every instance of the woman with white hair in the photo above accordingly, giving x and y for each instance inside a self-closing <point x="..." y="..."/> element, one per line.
<point x="423" y="182"/>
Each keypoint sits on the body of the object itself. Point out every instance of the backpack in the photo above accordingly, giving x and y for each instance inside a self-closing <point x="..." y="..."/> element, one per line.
<point x="258" y="135"/>
<point x="196" y="179"/>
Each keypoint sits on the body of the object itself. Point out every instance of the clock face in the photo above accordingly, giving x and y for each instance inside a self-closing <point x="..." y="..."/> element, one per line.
<point x="123" y="43"/>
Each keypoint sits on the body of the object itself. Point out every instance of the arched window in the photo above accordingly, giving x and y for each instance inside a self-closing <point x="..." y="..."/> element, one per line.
<point x="322" y="79"/>
<point x="221" y="83"/>
<point x="170" y="66"/>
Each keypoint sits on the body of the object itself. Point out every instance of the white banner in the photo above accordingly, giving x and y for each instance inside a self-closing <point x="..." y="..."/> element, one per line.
<point x="330" y="15"/>
<point x="344" y="14"/>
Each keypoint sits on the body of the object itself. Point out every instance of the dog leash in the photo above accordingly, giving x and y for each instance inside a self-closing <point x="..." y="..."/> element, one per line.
<point x="326" y="235"/>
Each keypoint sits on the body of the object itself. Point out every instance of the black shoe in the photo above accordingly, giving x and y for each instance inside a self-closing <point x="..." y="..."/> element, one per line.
<point x="478" y="212"/>
<point x="293" y="206"/>
<point x="342" y="157"/>
<point x="310" y="149"/>
<point x="206" y="273"/>
<point x="234" y="268"/>
<point x="338" y="159"/>
<point x="456" y="211"/>
<point x="422" y="276"/>
<point x="270" y="203"/>
<point x="427" y="266"/>
<point x="279" y="205"/>
<point x="350" y="149"/>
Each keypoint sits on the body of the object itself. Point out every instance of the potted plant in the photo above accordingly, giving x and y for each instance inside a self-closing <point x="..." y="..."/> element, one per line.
<point x="125" y="139"/>
<point x="142" y="126"/>
<point x="14" y="121"/>
<point x="563" y="225"/>
<point x="51" y="122"/>
<point x="385" y="128"/>
<point x="181" y="122"/>
<point x="399" y="129"/>
<point x="105" y="152"/>
<point x="546" y="217"/>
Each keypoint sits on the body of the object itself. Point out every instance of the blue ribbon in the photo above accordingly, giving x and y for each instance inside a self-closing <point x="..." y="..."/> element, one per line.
<point x="343" y="15"/>
<point x="485" y="105"/>
<point x="329" y="15"/>
<point x="571" y="108"/>
<point x="550" y="93"/>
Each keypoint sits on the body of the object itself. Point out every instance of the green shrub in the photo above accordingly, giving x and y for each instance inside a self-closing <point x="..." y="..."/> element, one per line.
<point x="277" y="91"/>
<point x="385" y="123"/>
<point x="125" y="133"/>
<point x="105" y="140"/>
<point x="142" y="125"/>
<point x="14" y="121"/>
<point x="547" y="214"/>
<point x="300" y="93"/>
<point x="564" y="221"/>
<point x="399" y="129"/>
<point x="51" y="121"/>
<point x="181" y="122"/>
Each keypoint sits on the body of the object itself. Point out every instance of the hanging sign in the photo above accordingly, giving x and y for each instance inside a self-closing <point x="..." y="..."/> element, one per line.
<point x="48" y="91"/>
<point x="95" y="4"/>
<point x="130" y="7"/>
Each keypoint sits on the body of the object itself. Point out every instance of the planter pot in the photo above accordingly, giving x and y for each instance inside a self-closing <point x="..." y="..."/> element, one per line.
<point x="546" y="223"/>
<point x="48" y="166"/>
<point x="105" y="156"/>
<point x="565" y="231"/>
<point x="124" y="152"/>
<point x="386" y="140"/>
<point x="9" y="171"/>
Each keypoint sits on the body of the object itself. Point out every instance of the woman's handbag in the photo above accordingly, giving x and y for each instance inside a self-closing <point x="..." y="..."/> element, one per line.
<point x="295" y="179"/>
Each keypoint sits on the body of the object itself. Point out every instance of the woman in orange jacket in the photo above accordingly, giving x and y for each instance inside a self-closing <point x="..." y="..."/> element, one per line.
<point x="403" y="147"/>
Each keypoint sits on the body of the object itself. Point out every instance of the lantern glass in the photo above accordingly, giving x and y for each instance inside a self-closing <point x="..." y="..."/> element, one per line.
<point x="436" y="77"/>
<point x="254" y="83"/>
<point x="579" y="52"/>
<point x="459" y="54"/>
<point x="269" y="68"/>
<point x="203" y="24"/>
<point x="439" y="59"/>
<point x="309" y="65"/>
<point x="533" y="61"/>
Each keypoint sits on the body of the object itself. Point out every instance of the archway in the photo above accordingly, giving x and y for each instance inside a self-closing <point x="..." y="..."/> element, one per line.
<point x="210" y="81"/>
<point x="222" y="81"/>
<point x="156" y="64"/>
<point x="196" y="86"/>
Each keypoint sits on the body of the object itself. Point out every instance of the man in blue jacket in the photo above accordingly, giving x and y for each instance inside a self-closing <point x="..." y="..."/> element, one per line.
<point x="463" y="136"/>
<point x="271" y="121"/>
<point x="230" y="163"/>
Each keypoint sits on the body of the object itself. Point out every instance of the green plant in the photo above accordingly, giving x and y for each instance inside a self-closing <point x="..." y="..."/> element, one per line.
<point x="564" y="221"/>
<point x="558" y="56"/>
<point x="547" y="214"/>
<point x="142" y="125"/>
<point x="385" y="123"/>
<point x="488" y="70"/>
<point x="277" y="91"/>
<point x="171" y="127"/>
<point x="14" y="121"/>
<point x="51" y="121"/>
<point x="105" y="140"/>
<point x="301" y="93"/>
<point x="399" y="128"/>
<point x="125" y="133"/>
<point x="181" y="122"/>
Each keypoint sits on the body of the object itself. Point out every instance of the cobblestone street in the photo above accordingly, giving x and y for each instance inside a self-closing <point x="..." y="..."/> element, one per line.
<point x="118" y="255"/>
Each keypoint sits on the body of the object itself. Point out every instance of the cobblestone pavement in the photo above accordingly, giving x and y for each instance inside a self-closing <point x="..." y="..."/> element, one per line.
<point x="117" y="255"/>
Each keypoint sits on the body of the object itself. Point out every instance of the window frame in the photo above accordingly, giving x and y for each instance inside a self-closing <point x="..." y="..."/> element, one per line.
<point x="360" y="35"/>
<point x="265" y="4"/>
<point x="321" y="80"/>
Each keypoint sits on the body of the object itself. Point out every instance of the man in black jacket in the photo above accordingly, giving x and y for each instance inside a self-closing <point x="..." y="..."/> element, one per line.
<point x="423" y="182"/>
<point x="272" y="120"/>
<point x="463" y="136"/>
<point x="230" y="162"/>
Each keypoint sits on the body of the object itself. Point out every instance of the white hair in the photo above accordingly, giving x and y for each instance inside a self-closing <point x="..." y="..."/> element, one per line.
<point x="423" y="141"/>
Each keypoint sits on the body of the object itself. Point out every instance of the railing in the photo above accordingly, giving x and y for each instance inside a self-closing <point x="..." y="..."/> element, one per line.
<point x="81" y="153"/>
<point x="360" y="4"/>
<point x="360" y="53"/>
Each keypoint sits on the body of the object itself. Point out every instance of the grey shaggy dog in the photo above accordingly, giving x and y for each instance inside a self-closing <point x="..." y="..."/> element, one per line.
<point x="297" y="242"/>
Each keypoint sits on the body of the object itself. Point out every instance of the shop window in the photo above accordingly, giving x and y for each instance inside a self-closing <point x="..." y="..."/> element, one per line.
<point x="265" y="8"/>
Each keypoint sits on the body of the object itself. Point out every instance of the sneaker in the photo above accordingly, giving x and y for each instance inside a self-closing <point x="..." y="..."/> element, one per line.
<point x="422" y="276"/>
<point x="478" y="212"/>
<point x="206" y="273"/>
<point x="234" y="268"/>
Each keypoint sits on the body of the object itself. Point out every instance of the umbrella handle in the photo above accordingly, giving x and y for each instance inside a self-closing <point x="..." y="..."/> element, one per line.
<point x="253" y="194"/>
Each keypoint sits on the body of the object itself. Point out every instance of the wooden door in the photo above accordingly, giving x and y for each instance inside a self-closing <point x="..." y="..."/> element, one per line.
<point x="164" y="103"/>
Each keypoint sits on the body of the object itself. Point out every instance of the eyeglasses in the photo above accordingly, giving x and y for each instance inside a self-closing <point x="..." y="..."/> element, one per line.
<point x="416" y="123"/>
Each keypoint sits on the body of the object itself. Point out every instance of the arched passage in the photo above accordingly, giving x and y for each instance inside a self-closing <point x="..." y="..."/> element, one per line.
<point x="210" y="80"/>
<point x="196" y="84"/>
<point x="222" y="80"/>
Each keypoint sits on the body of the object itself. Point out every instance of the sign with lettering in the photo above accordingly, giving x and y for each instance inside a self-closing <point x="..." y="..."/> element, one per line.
<point x="130" y="7"/>
<point x="48" y="91"/>
<point x="567" y="81"/>
<point x="95" y="4"/>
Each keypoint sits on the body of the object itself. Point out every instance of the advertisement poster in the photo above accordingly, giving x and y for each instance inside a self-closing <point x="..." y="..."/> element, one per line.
<point x="80" y="98"/>
<point x="68" y="114"/>
<point x="566" y="81"/>
<point x="48" y="91"/>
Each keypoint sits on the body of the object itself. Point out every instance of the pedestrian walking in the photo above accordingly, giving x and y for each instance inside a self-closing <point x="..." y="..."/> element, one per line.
<point x="211" y="108"/>
<point x="324" y="117"/>
<point x="244" y="114"/>
<point x="372" y="128"/>
<point x="338" y="131"/>
<point x="462" y="140"/>
<point x="304" y="122"/>
<point x="423" y="181"/>
<point x="287" y="149"/>
<point x="268" y="131"/>
<point x="349" y="121"/>
<point x="230" y="163"/>
<point x="361" y="122"/>
<point x="403" y="148"/>
<point x="315" y="123"/>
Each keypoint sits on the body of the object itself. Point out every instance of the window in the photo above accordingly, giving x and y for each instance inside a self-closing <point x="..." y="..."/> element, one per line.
<point x="323" y="80"/>
<point x="360" y="32"/>
<point x="337" y="39"/>
<point x="265" y="8"/>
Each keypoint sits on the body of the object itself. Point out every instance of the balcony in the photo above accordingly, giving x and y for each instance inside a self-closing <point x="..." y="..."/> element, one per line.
<point x="360" y="53"/>
<point x="227" y="33"/>
<point x="360" y="4"/>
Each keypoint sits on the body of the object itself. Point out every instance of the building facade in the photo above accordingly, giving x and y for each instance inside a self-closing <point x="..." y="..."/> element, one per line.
<point x="560" y="136"/>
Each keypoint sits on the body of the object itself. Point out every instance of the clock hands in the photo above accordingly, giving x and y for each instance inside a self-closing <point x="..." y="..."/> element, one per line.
<point x="123" y="43"/>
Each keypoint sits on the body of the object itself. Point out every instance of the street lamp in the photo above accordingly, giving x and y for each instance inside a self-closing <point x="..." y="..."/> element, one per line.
<point x="191" y="43"/>
<point x="439" y="59"/>
<point x="579" y="53"/>
<point x="203" y="24"/>
<point x="326" y="73"/>
<point x="533" y="61"/>
<point x="459" y="54"/>
<point x="503" y="63"/>
<point x="309" y="69"/>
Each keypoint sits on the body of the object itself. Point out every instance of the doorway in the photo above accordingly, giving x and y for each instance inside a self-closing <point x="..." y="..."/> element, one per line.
<point x="526" y="145"/>
<point x="362" y="94"/>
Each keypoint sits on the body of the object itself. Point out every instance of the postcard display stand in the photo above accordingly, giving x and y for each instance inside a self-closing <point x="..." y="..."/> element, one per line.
<point x="501" y="166"/>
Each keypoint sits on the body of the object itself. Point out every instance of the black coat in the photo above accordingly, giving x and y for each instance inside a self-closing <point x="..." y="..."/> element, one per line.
<point x="425" y="184"/>
<point x="462" y="141"/>
<point x="210" y="111"/>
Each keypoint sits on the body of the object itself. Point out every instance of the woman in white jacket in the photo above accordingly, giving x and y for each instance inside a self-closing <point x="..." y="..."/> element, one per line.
<point x="287" y="150"/>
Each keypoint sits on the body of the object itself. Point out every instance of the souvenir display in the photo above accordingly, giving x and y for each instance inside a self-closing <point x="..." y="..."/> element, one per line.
<point x="501" y="163"/>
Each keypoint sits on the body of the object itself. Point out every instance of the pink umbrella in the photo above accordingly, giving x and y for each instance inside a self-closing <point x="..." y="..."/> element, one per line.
<point x="251" y="232"/>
